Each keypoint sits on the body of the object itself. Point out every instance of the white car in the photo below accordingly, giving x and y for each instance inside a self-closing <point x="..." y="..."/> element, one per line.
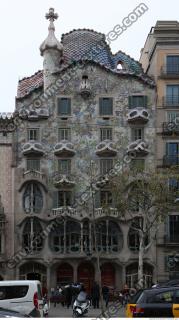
<point x="24" y="296"/>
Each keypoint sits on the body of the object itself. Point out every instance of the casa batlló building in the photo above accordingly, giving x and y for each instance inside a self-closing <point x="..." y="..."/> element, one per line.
<point x="77" y="118"/>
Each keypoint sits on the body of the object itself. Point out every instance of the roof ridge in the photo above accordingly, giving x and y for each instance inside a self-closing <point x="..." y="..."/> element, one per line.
<point x="34" y="74"/>
<point x="83" y="29"/>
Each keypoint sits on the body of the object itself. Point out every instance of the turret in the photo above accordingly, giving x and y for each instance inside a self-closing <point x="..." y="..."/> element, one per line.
<point x="51" y="50"/>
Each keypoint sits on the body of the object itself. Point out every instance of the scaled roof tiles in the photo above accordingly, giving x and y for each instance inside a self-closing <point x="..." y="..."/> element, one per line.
<point x="85" y="44"/>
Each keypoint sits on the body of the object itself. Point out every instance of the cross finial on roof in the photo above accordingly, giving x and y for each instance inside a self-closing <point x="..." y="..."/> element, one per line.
<point x="51" y="15"/>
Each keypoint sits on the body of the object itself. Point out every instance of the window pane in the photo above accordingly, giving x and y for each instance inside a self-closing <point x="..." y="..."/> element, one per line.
<point x="172" y="64"/>
<point x="137" y="101"/>
<point x="173" y="116"/>
<point x="33" y="134"/>
<point x="63" y="134"/>
<point x="106" y="106"/>
<point x="106" y="198"/>
<point x="64" y="166"/>
<point x="33" y="164"/>
<point x="106" y="134"/>
<point x="172" y="94"/>
<point x="64" y="198"/>
<point x="137" y="133"/>
<point x="105" y="165"/>
<point x="64" y="106"/>
<point x="13" y="292"/>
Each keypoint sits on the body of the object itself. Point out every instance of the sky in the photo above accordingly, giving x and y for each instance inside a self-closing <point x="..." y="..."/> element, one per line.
<point x="23" y="28"/>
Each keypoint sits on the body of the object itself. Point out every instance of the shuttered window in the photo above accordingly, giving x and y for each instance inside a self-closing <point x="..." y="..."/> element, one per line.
<point x="137" y="102"/>
<point x="64" y="106"/>
<point x="105" y="106"/>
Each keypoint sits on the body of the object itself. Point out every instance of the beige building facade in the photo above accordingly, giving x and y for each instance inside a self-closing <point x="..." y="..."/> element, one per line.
<point x="160" y="59"/>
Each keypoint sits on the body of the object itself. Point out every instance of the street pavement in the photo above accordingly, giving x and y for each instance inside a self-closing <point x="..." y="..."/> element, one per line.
<point x="62" y="312"/>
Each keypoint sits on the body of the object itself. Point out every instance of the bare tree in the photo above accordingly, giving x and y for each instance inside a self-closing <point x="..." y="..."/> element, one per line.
<point x="144" y="199"/>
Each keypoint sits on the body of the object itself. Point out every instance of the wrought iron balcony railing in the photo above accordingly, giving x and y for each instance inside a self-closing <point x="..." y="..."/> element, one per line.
<point x="170" y="70"/>
<point x="171" y="160"/>
<point x="171" y="101"/>
<point x="170" y="128"/>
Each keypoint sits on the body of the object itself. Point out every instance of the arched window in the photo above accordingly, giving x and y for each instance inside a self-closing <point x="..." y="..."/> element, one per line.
<point x="32" y="239"/>
<point x="57" y="239"/>
<point x="73" y="236"/>
<point x="109" y="236"/>
<point x="32" y="198"/>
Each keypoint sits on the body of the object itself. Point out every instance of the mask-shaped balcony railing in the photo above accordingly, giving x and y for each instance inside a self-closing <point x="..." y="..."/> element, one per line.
<point x="33" y="147"/>
<point x="138" y="116"/>
<point x="138" y="148"/>
<point x="63" y="180"/>
<point x="64" y="148"/>
<point x="106" y="148"/>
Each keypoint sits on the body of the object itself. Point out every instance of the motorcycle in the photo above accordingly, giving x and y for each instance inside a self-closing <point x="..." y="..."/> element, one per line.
<point x="80" y="307"/>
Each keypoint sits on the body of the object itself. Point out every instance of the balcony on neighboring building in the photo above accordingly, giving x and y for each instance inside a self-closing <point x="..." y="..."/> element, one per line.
<point x="170" y="160"/>
<point x="138" y="148"/>
<point x="170" y="128"/>
<point x="106" y="148"/>
<point x="170" y="71"/>
<point x="138" y="116"/>
<point x="171" y="101"/>
<point x="64" y="211"/>
<point x="64" y="148"/>
<point x="172" y="239"/>
<point x="63" y="180"/>
<point x="33" y="147"/>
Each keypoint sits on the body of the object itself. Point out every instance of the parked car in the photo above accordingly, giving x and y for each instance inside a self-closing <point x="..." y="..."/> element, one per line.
<point x="157" y="302"/>
<point x="131" y="305"/>
<point x="5" y="313"/>
<point x="23" y="296"/>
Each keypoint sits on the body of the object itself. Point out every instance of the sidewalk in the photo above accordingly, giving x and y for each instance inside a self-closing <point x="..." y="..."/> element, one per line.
<point x="62" y="312"/>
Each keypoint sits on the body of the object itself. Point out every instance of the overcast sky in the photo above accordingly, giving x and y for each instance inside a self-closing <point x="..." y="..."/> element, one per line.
<point x="23" y="28"/>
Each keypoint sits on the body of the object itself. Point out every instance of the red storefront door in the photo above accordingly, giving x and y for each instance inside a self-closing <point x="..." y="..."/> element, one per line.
<point x="86" y="276"/>
<point x="64" y="274"/>
<point x="108" y="275"/>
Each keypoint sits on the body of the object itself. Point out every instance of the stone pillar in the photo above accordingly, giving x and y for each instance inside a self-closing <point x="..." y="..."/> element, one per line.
<point x="48" y="279"/>
<point x="64" y="236"/>
<point x="75" y="271"/>
<point x="123" y="275"/>
<point x="107" y="236"/>
<point x="90" y="238"/>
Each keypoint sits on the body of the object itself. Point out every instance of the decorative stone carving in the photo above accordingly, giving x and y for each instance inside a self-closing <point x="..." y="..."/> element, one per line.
<point x="64" y="148"/>
<point x="106" y="148"/>
<point x="138" y="115"/>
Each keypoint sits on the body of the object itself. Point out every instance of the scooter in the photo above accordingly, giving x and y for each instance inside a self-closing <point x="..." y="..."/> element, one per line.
<point x="80" y="308"/>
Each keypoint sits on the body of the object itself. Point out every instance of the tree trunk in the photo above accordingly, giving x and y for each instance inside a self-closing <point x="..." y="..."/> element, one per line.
<point x="141" y="261"/>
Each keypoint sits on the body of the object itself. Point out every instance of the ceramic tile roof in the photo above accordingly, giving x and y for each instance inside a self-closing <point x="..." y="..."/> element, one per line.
<point x="85" y="44"/>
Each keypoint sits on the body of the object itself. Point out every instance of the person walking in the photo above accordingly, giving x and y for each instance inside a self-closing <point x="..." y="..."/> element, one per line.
<point x="95" y="294"/>
<point x="105" y="292"/>
<point x="68" y="295"/>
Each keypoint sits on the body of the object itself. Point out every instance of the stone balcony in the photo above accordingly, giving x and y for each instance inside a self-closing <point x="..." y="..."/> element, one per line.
<point x="138" y="148"/>
<point x="138" y="116"/>
<point x="63" y="180"/>
<point x="85" y="87"/>
<point x="63" y="212"/>
<point x="34" y="114"/>
<point x="103" y="212"/>
<point x="64" y="149"/>
<point x="33" y="147"/>
<point x="34" y="175"/>
<point x="106" y="148"/>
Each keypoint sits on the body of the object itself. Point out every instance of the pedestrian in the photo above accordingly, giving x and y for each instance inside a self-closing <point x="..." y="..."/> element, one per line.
<point x="68" y="295"/>
<point x="125" y="294"/>
<point x="95" y="295"/>
<point x="105" y="291"/>
<point x="56" y="296"/>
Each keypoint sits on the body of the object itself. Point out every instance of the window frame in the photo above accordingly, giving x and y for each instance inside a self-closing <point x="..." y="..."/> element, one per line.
<point x="108" y="167"/>
<point x="64" y="114"/>
<point x="67" y="134"/>
<point x="69" y="164"/>
<point x="109" y="132"/>
<point x="135" y="133"/>
<point x="136" y="105"/>
<point x="33" y="169"/>
<point x="37" y="130"/>
<point x="101" y="106"/>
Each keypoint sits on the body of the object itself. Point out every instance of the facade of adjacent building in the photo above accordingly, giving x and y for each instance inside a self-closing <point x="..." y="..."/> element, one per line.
<point x="77" y="117"/>
<point x="160" y="59"/>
